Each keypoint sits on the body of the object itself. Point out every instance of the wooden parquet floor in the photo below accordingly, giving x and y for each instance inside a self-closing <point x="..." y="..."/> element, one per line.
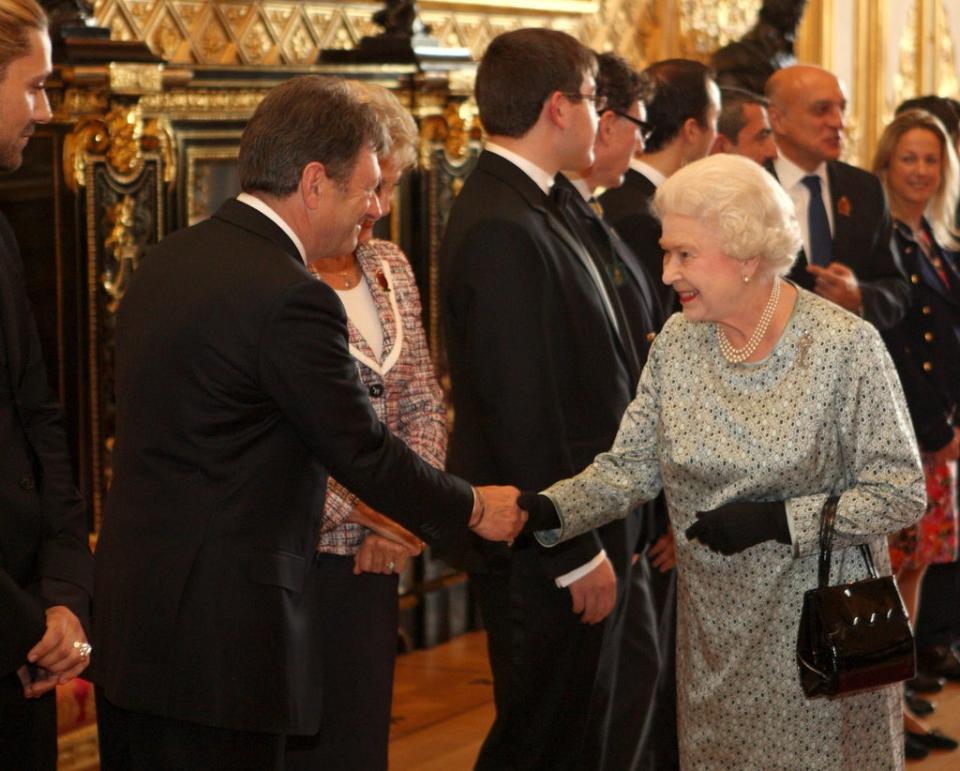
<point x="443" y="706"/>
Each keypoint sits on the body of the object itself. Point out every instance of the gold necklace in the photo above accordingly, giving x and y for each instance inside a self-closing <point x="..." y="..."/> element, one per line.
<point x="347" y="277"/>
<point x="739" y="355"/>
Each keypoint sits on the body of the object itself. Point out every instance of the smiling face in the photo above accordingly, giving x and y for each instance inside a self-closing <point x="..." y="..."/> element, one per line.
<point x="708" y="282"/>
<point x="346" y="206"/>
<point x="23" y="101"/>
<point x="914" y="173"/>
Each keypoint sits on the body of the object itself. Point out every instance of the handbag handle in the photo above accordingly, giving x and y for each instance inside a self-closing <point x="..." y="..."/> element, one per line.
<point x="827" y="517"/>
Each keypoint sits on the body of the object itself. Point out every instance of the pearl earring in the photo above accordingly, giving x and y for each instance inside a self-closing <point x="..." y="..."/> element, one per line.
<point x="746" y="279"/>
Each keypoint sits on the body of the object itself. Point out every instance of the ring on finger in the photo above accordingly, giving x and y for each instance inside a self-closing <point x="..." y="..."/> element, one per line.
<point x="390" y="566"/>
<point x="83" y="648"/>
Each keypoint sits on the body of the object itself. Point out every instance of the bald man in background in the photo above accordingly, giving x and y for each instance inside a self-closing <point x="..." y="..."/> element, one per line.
<point x="846" y="256"/>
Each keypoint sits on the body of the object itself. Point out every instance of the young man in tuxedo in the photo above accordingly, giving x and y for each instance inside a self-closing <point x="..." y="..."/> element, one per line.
<point x="541" y="370"/>
<point x="682" y="113"/>
<point x="236" y="393"/>
<point x="842" y="211"/>
<point x="630" y="725"/>
<point x="45" y="562"/>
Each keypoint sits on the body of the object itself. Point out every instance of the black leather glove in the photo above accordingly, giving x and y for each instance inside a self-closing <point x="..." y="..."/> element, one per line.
<point x="738" y="526"/>
<point x="542" y="513"/>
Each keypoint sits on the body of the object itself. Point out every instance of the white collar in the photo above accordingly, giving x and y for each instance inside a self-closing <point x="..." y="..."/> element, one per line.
<point x="264" y="208"/>
<point x="543" y="179"/>
<point x="790" y="175"/>
<point x="580" y="183"/>
<point x="655" y="176"/>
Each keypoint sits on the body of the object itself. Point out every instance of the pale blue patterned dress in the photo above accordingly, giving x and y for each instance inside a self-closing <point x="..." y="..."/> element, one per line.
<point x="823" y="412"/>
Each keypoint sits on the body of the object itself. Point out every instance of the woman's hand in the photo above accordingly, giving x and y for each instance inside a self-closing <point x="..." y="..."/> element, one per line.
<point x="736" y="527"/>
<point x="381" y="555"/>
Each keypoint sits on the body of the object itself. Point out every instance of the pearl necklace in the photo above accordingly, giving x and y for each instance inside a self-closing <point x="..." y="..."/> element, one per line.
<point x="738" y="355"/>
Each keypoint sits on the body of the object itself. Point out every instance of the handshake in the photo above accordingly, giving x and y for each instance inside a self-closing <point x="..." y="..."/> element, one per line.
<point x="496" y="516"/>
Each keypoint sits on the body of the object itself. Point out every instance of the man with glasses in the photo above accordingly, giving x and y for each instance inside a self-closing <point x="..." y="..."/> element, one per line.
<point x="541" y="376"/>
<point x="682" y="117"/>
<point x="624" y="693"/>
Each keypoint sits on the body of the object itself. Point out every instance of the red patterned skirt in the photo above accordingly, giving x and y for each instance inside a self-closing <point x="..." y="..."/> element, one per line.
<point x="932" y="539"/>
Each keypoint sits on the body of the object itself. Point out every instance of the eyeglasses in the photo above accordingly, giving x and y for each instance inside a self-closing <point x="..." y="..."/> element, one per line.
<point x="646" y="129"/>
<point x="599" y="101"/>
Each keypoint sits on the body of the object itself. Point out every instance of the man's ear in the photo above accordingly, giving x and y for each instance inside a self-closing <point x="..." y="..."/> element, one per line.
<point x="776" y="118"/>
<point x="605" y="125"/>
<point x="556" y="108"/>
<point x="691" y="131"/>
<point x="721" y="145"/>
<point x="313" y="184"/>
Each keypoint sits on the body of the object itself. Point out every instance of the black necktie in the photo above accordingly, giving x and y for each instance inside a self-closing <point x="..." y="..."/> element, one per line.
<point x="565" y="202"/>
<point x="821" y="242"/>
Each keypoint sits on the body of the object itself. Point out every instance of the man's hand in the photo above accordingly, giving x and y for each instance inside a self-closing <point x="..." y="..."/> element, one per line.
<point x="662" y="554"/>
<point x="496" y="515"/>
<point x="595" y="594"/>
<point x="381" y="555"/>
<point x="837" y="283"/>
<point x="61" y="654"/>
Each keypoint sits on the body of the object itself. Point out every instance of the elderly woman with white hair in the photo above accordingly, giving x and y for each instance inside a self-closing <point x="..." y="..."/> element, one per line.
<point x="758" y="402"/>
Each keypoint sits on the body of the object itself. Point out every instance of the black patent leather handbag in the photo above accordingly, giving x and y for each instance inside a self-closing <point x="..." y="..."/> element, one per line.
<point x="855" y="636"/>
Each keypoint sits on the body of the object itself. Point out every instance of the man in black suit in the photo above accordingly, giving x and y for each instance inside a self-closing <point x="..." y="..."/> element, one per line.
<point x="682" y="113"/>
<point x="236" y="393"/>
<point x="45" y="562"/>
<point x="842" y="211"/>
<point x="541" y="373"/>
<point x="624" y="701"/>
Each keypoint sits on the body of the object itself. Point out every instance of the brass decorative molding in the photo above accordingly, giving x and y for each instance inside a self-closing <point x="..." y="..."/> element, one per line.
<point x="121" y="249"/>
<point x="120" y="137"/>
<point x="293" y="32"/>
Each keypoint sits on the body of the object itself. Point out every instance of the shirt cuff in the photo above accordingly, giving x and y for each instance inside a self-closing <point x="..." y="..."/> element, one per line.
<point x="575" y="575"/>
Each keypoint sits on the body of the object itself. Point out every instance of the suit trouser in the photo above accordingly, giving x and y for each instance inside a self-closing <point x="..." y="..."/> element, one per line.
<point x="28" y="728"/>
<point x="544" y="662"/>
<point x="133" y="741"/>
<point x="661" y="752"/>
<point x="624" y="697"/>
<point x="358" y="616"/>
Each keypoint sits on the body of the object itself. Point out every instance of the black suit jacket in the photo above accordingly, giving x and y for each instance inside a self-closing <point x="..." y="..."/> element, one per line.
<point x="925" y="345"/>
<point x="44" y="556"/>
<point x="236" y="394"/>
<point x="861" y="240"/>
<point x="539" y="378"/>
<point x="627" y="209"/>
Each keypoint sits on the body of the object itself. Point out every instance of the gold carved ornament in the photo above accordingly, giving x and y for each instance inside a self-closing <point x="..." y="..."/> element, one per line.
<point x="121" y="242"/>
<point x="121" y="137"/>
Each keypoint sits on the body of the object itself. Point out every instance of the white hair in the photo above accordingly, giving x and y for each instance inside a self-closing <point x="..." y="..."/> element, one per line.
<point x="742" y="202"/>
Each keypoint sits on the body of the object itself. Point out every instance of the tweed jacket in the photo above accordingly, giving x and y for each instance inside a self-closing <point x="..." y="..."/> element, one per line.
<point x="402" y="384"/>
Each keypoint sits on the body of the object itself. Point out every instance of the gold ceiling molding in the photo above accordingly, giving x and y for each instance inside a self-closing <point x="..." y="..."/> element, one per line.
<point x="292" y="33"/>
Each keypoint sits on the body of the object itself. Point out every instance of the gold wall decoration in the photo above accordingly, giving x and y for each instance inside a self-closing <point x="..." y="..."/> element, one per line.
<point x="704" y="27"/>
<point x="121" y="250"/>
